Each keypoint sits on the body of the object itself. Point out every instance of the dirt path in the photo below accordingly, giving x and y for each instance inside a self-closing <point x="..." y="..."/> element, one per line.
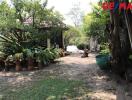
<point x="102" y="86"/>
<point x="85" y="69"/>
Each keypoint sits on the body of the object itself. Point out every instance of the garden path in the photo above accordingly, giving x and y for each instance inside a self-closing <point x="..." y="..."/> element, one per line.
<point x="103" y="85"/>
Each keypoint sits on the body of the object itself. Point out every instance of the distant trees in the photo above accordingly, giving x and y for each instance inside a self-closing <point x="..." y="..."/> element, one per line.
<point x="76" y="14"/>
<point x="73" y="36"/>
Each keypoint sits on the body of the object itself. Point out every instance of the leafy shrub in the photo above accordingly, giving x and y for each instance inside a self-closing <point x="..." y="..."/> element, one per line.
<point x="105" y="52"/>
<point x="47" y="55"/>
<point x="104" y="46"/>
<point x="28" y="53"/>
<point x="82" y="46"/>
<point x="105" y="49"/>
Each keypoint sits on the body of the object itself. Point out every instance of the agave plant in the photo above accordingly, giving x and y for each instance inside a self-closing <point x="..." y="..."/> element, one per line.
<point x="18" y="60"/>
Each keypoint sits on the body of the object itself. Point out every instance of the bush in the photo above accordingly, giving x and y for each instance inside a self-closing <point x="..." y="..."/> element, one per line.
<point x="105" y="52"/>
<point x="83" y="46"/>
<point x="46" y="56"/>
<point x="105" y="49"/>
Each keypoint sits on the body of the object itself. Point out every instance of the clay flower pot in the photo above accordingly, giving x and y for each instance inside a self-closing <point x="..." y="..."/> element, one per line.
<point x="18" y="59"/>
<point x="18" y="65"/>
<point x="30" y="64"/>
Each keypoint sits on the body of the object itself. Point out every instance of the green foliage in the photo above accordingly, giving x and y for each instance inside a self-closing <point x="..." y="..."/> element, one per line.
<point x="7" y="19"/>
<point x="20" y="23"/>
<point x="105" y="52"/>
<point x="41" y="55"/>
<point x="55" y="53"/>
<point x="28" y="53"/>
<point x="82" y="46"/>
<point x="74" y="36"/>
<point x="105" y="49"/>
<point x="13" y="43"/>
<point x="46" y="56"/>
<point x="94" y="24"/>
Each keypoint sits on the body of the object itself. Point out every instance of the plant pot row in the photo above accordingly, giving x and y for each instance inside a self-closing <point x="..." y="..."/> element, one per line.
<point x="30" y="59"/>
<point x="30" y="65"/>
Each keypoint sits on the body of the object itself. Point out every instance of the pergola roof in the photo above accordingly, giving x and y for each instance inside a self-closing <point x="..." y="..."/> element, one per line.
<point x="47" y="25"/>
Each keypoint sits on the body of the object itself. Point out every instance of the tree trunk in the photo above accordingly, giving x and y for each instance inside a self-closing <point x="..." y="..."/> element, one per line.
<point x="119" y="58"/>
<point x="128" y="20"/>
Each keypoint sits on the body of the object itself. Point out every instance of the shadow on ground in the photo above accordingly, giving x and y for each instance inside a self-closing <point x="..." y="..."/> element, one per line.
<point x="102" y="85"/>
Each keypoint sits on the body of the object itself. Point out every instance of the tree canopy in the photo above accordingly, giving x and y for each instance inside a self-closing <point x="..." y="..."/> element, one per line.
<point x="21" y="22"/>
<point x="94" y="24"/>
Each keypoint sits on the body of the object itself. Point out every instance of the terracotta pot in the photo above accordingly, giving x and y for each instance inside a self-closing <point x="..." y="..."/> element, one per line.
<point x="30" y="64"/>
<point x="18" y="65"/>
<point x="40" y="65"/>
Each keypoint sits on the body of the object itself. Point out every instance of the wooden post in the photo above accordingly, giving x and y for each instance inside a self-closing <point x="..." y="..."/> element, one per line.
<point x="48" y="43"/>
<point x="62" y="40"/>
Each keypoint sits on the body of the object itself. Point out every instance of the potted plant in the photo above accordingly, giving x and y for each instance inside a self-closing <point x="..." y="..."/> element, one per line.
<point x="30" y="58"/>
<point x="18" y="59"/>
<point x="40" y="58"/>
<point x="103" y="59"/>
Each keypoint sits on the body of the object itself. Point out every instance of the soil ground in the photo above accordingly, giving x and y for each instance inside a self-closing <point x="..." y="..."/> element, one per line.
<point x="103" y="85"/>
